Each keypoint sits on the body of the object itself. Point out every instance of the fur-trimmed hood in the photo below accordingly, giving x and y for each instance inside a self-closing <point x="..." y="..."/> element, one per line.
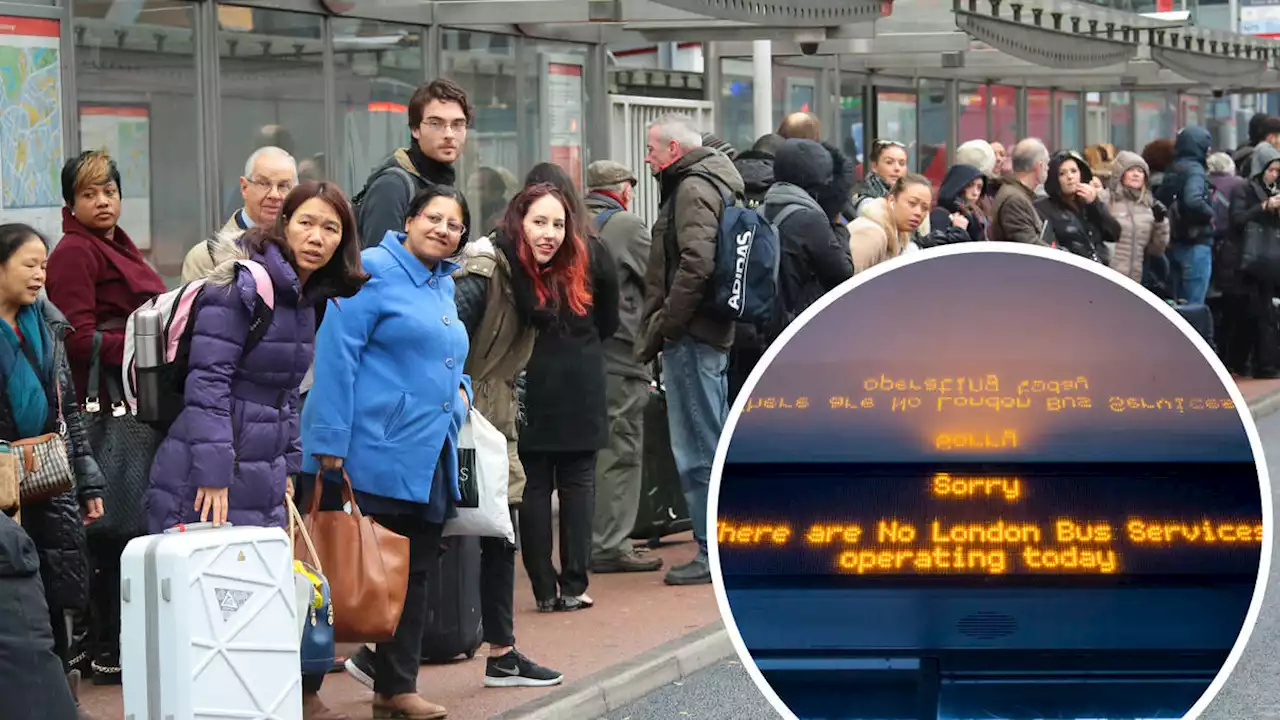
<point x="227" y="248"/>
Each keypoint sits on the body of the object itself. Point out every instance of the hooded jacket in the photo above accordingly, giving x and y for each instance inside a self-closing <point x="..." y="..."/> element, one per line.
<point x="1247" y="209"/>
<point x="815" y="179"/>
<point x="1144" y="222"/>
<point x="956" y="180"/>
<point x="1082" y="229"/>
<point x="55" y="524"/>
<point x="382" y="205"/>
<point x="239" y="426"/>
<point x="682" y="257"/>
<point x="34" y="675"/>
<point x="1186" y="191"/>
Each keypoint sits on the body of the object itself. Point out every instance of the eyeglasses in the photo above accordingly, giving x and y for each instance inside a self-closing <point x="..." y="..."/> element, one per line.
<point x="266" y="186"/>
<point x="454" y="227"/>
<point x="439" y="125"/>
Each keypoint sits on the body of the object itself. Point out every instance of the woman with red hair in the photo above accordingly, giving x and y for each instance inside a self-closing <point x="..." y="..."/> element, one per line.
<point x="565" y="418"/>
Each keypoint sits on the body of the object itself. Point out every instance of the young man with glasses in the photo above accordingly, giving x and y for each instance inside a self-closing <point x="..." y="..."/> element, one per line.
<point x="439" y="115"/>
<point x="269" y="174"/>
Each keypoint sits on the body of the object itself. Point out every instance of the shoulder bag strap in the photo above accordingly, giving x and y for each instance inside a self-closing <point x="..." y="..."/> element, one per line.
<point x="92" y="404"/>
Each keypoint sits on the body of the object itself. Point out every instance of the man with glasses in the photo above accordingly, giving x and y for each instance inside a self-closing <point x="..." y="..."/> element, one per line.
<point x="439" y="114"/>
<point x="269" y="175"/>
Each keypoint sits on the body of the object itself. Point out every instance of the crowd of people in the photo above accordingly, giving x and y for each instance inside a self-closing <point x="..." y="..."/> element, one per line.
<point x="399" y="310"/>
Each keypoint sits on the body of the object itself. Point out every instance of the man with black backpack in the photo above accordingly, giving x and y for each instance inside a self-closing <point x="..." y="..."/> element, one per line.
<point x="439" y="115"/>
<point x="689" y="307"/>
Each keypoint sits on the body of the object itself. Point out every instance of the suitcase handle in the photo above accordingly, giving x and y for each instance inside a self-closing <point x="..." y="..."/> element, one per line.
<point x="180" y="528"/>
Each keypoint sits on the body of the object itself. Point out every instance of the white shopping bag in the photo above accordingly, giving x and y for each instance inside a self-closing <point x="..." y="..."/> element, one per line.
<point x="482" y="479"/>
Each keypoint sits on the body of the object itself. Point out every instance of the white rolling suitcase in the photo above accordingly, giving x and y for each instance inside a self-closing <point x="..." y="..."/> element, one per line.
<point x="208" y="625"/>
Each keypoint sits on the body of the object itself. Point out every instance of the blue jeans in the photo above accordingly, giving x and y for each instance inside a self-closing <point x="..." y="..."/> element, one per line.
<point x="1192" y="267"/>
<point x="696" y="377"/>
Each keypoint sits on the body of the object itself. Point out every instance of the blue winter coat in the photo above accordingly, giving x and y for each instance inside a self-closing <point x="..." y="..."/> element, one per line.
<point x="239" y="428"/>
<point x="387" y="372"/>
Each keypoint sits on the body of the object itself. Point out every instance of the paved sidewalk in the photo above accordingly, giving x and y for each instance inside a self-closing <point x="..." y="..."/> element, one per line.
<point x="641" y="635"/>
<point x="1263" y="396"/>
<point x="635" y="613"/>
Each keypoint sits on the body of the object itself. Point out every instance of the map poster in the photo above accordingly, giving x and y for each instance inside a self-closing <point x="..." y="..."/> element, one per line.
<point x="124" y="133"/>
<point x="31" y="123"/>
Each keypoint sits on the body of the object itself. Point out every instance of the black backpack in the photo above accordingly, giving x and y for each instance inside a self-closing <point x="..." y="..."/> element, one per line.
<point x="410" y="180"/>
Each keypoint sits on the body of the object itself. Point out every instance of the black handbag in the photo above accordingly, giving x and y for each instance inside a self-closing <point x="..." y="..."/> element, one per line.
<point x="124" y="448"/>
<point x="1260" y="252"/>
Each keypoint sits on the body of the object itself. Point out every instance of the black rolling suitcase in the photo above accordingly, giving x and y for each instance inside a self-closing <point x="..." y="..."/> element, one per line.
<point x="1201" y="318"/>
<point x="663" y="510"/>
<point x="453" y="602"/>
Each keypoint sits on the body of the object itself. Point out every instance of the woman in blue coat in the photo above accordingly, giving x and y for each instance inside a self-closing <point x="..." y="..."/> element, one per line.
<point x="388" y="401"/>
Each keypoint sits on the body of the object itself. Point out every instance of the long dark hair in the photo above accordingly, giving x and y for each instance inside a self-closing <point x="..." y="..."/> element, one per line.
<point x="556" y="176"/>
<point x="344" y="274"/>
<point x="565" y="278"/>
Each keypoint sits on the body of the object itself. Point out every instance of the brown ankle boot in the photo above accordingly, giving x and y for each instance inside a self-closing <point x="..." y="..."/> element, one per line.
<point x="313" y="708"/>
<point x="407" y="706"/>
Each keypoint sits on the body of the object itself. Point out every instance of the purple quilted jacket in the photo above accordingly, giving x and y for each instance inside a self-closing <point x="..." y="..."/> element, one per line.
<point x="239" y="428"/>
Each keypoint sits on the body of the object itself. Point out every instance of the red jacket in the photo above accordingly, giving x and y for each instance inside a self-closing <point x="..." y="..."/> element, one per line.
<point x="96" y="282"/>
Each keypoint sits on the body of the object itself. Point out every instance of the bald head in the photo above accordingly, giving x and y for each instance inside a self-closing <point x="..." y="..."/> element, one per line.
<point x="801" y="126"/>
<point x="1030" y="161"/>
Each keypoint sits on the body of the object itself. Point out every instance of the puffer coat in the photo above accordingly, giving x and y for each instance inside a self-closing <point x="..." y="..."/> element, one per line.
<point x="55" y="524"/>
<point x="1144" y="222"/>
<point x="239" y="428"/>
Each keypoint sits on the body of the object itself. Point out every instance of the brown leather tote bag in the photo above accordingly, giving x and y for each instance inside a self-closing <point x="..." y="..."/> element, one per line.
<point x="366" y="564"/>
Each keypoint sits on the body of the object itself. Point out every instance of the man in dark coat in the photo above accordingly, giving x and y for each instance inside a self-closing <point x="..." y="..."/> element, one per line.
<point x="618" y="466"/>
<point x="1187" y="193"/>
<point x="813" y="182"/>
<point x="38" y="689"/>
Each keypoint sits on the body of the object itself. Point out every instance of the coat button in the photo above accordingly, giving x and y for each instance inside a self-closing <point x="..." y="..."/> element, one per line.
<point x="448" y="363"/>
<point x="432" y="282"/>
<point x="445" y="319"/>
<point x="447" y="407"/>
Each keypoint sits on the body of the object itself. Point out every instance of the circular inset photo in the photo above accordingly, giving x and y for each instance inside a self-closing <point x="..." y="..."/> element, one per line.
<point x="990" y="481"/>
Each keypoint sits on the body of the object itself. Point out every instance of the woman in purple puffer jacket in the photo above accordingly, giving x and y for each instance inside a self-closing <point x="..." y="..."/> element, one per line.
<point x="232" y="451"/>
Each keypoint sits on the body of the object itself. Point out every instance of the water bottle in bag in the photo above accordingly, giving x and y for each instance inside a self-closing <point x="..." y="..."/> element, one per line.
<point x="148" y="359"/>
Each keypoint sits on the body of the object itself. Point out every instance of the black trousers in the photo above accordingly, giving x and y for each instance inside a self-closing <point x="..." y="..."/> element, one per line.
<point x="397" y="662"/>
<point x="104" y="600"/>
<point x="497" y="590"/>
<point x="1261" y="327"/>
<point x="573" y="476"/>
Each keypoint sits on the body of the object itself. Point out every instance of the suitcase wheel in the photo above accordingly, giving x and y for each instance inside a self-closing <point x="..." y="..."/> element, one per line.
<point x="471" y="655"/>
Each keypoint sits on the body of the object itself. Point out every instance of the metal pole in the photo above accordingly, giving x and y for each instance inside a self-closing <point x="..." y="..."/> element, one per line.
<point x="1021" y="113"/>
<point x="953" y="120"/>
<point x="598" y="103"/>
<point x="762" y="86"/>
<point x="711" y="83"/>
<point x="1082" y="120"/>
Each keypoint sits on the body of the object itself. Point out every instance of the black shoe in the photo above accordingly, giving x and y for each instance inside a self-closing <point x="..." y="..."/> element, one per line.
<point x="549" y="606"/>
<point x="516" y="670"/>
<point x="360" y="667"/>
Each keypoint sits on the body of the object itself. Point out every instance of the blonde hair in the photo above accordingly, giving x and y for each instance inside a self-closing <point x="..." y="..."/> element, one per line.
<point x="95" y="171"/>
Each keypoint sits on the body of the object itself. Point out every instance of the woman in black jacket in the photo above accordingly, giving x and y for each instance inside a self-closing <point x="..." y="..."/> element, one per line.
<point x="566" y="420"/>
<point x="1255" y="208"/>
<point x="37" y="395"/>
<point x="1080" y="222"/>
<point x="812" y="183"/>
